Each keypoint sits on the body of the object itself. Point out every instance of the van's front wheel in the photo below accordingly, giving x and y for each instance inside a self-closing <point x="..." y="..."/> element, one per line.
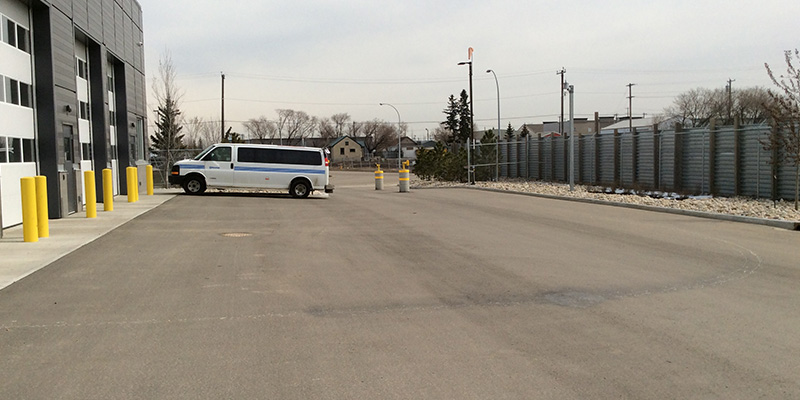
<point x="300" y="189"/>
<point x="194" y="185"/>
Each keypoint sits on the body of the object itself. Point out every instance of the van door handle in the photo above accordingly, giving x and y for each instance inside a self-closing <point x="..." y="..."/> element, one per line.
<point x="231" y="165"/>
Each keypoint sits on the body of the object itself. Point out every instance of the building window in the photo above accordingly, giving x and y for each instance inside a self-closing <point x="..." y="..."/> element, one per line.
<point x="10" y="31"/>
<point x="29" y="150"/>
<point x="352" y="150"/>
<point x="68" y="149"/>
<point x="15" y="35"/>
<point x="83" y="70"/>
<point x="84" y="110"/>
<point x="341" y="151"/>
<point x="15" y="151"/>
<point x="16" y="92"/>
<point x="3" y="150"/>
<point x="23" y="43"/>
<point x="112" y="118"/>
<point x="111" y="84"/>
<point x="140" y="150"/>
<point x="86" y="149"/>
<point x="24" y="94"/>
<point x="12" y="90"/>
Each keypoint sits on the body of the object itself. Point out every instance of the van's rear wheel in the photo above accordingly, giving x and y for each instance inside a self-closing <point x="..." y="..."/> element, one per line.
<point x="194" y="185"/>
<point x="300" y="189"/>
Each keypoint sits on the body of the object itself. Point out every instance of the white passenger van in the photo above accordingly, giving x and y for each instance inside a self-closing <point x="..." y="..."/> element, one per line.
<point x="301" y="170"/>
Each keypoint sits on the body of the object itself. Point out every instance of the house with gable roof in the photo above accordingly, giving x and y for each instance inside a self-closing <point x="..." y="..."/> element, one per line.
<point x="347" y="148"/>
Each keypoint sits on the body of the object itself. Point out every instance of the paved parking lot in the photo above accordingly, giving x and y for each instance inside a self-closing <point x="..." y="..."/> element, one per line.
<point x="436" y="293"/>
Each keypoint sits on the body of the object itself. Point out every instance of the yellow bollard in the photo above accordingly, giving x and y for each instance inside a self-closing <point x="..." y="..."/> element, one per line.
<point x="378" y="178"/>
<point x="42" y="212"/>
<point x="90" y="193"/>
<point x="108" y="190"/>
<point x="30" y="228"/>
<point x="135" y="183"/>
<point x="149" y="180"/>
<point x="132" y="185"/>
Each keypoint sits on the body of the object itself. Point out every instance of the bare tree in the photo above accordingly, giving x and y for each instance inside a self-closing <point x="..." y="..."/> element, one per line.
<point x="167" y="137"/>
<point x="441" y="134"/>
<point x="163" y="85"/>
<point x="339" y="122"/>
<point x="378" y="135"/>
<point x="294" y="126"/>
<point x="355" y="129"/>
<point x="260" y="128"/>
<point x="697" y="107"/>
<point x="751" y="105"/>
<point x="326" y="129"/>
<point x="785" y="110"/>
<point x="201" y="133"/>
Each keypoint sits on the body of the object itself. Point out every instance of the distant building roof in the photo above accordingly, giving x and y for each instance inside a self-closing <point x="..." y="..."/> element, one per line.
<point x="639" y="123"/>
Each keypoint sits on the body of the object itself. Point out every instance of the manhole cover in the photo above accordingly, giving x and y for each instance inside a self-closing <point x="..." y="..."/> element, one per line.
<point x="237" y="234"/>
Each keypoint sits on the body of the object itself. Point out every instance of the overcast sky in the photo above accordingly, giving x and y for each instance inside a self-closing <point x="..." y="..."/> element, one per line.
<point x="328" y="57"/>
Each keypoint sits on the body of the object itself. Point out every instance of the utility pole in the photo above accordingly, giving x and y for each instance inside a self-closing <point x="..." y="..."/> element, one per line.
<point x="222" y="123"/>
<point x="630" y="106"/>
<point x="730" y="99"/>
<point x="561" y="93"/>
<point x="571" y="90"/>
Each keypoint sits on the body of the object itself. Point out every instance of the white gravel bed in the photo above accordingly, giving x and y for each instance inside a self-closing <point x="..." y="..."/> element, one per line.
<point x="741" y="206"/>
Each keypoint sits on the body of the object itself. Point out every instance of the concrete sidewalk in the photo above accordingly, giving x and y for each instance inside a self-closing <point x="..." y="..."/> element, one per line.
<point x="19" y="259"/>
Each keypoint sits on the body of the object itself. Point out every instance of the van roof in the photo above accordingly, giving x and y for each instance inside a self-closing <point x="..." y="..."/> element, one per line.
<point x="268" y="146"/>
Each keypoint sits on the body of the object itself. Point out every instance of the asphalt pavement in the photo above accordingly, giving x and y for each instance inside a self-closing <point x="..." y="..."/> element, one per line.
<point x="19" y="259"/>
<point x="435" y="294"/>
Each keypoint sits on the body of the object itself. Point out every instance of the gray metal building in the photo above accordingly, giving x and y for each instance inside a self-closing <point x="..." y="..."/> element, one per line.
<point x="74" y="86"/>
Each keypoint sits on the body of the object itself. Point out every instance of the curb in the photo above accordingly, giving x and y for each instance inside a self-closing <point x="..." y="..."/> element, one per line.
<point x="775" y="223"/>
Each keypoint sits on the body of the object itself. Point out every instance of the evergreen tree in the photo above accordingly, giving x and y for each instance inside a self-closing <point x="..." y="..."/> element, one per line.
<point x="168" y="127"/>
<point x="459" y="118"/>
<point x="509" y="133"/>
<point x="486" y="155"/>
<point x="464" y="118"/>
<point x="451" y="123"/>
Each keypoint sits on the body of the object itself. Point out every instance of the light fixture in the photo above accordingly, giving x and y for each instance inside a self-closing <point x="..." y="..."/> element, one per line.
<point x="68" y="108"/>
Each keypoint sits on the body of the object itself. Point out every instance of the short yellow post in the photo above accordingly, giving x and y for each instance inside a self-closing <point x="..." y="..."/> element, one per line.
<point x="91" y="194"/>
<point x="378" y="178"/>
<point x="149" y="180"/>
<point x="42" y="212"/>
<point x="132" y="184"/>
<point x="108" y="190"/>
<point x="404" y="178"/>
<point x="30" y="228"/>
<point x="135" y="175"/>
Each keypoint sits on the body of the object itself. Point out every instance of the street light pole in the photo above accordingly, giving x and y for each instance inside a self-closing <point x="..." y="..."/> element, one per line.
<point x="471" y="117"/>
<point x="399" y="138"/>
<point x="222" y="117"/>
<point x="497" y="137"/>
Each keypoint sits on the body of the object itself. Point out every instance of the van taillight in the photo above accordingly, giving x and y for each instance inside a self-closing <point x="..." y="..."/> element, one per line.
<point x="327" y="162"/>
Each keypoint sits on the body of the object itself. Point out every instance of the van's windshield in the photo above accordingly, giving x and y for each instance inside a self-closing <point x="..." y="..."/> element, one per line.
<point x="203" y="153"/>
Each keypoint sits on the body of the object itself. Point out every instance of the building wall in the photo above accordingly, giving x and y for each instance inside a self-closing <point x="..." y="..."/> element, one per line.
<point x="347" y="150"/>
<point x="107" y="35"/>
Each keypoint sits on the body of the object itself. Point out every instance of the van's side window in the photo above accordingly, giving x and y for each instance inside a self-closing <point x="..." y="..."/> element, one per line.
<point x="219" y="154"/>
<point x="279" y="156"/>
